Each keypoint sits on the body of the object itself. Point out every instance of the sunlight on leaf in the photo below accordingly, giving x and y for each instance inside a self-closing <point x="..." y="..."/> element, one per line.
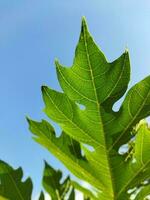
<point x="97" y="84"/>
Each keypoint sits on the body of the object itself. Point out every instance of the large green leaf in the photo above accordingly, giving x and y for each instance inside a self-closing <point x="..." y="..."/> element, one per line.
<point x="92" y="131"/>
<point x="11" y="185"/>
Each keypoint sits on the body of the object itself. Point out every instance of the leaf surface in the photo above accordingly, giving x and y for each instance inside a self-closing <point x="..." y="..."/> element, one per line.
<point x="92" y="132"/>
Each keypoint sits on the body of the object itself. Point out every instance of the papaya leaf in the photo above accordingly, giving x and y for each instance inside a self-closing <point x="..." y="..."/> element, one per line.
<point x="11" y="185"/>
<point x="92" y="132"/>
<point x="52" y="184"/>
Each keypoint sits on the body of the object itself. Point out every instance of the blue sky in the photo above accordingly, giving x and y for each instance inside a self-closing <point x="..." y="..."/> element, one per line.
<point x="35" y="32"/>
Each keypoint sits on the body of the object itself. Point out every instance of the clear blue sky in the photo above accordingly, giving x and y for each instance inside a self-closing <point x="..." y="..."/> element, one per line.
<point x="32" y="34"/>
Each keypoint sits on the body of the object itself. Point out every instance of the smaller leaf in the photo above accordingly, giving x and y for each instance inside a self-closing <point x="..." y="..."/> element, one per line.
<point x="51" y="183"/>
<point x="11" y="185"/>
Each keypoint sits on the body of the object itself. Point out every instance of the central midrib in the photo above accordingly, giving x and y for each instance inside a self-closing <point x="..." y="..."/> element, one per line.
<point x="98" y="108"/>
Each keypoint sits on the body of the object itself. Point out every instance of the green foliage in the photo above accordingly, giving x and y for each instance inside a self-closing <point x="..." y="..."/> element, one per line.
<point x="11" y="186"/>
<point x="51" y="183"/>
<point x="91" y="137"/>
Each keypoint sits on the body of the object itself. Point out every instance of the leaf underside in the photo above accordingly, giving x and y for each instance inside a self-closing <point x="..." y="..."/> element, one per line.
<point x="92" y="132"/>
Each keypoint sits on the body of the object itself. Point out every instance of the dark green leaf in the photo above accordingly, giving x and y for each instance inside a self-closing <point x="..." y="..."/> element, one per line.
<point x="11" y="185"/>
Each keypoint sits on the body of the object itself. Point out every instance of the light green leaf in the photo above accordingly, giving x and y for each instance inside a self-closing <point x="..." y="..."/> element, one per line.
<point x="11" y="185"/>
<point x="92" y="134"/>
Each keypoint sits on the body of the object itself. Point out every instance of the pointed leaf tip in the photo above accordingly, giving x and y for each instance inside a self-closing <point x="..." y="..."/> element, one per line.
<point x="56" y="61"/>
<point x="126" y="50"/>
<point x="46" y="164"/>
<point x="43" y="88"/>
<point x="28" y="119"/>
<point x="83" y="19"/>
<point x="84" y="23"/>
